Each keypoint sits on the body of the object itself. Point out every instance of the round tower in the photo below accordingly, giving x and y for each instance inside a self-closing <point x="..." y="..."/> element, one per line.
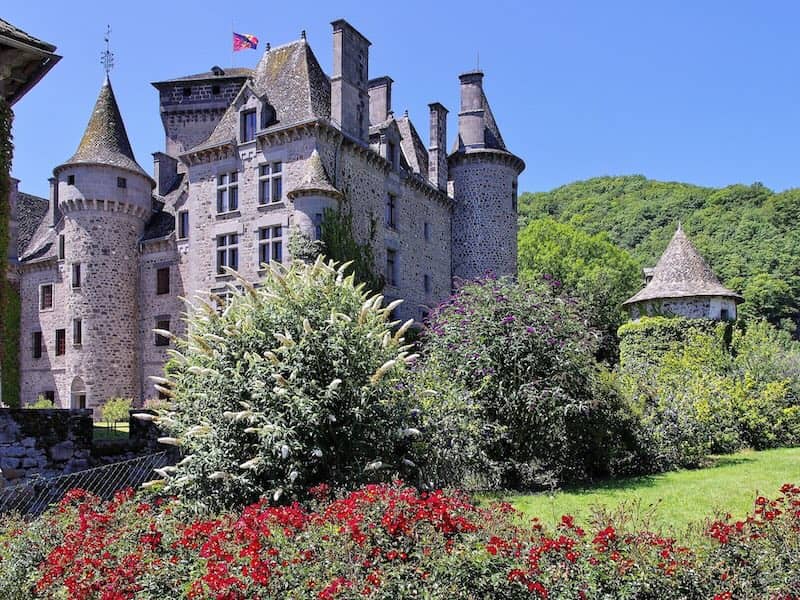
<point x="104" y="197"/>
<point x="483" y="174"/>
<point x="312" y="196"/>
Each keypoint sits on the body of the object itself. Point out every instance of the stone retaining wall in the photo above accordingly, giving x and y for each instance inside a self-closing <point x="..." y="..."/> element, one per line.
<point x="43" y="442"/>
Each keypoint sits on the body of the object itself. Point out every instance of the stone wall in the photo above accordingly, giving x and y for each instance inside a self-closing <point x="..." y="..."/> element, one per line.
<point x="45" y="442"/>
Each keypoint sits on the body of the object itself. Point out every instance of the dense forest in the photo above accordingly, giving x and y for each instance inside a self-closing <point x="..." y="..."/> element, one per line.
<point x="748" y="234"/>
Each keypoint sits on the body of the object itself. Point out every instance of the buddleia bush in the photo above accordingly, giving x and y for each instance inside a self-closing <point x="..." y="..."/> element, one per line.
<point x="291" y="384"/>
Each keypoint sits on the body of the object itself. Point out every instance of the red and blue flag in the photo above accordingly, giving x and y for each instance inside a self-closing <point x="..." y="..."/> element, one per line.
<point x="244" y="41"/>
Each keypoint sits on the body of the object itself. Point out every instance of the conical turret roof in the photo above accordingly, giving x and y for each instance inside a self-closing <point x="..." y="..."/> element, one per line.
<point x="105" y="141"/>
<point x="681" y="272"/>
<point x="315" y="180"/>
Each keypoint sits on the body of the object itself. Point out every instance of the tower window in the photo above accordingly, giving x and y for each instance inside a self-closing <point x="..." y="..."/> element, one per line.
<point x="270" y="183"/>
<point x="162" y="323"/>
<point x="162" y="281"/>
<point x="122" y="182"/>
<point x="270" y="244"/>
<point x="426" y="283"/>
<point x="514" y="196"/>
<point x="183" y="224"/>
<point x="215" y="89"/>
<point x="391" y="154"/>
<point x="61" y="247"/>
<point x="318" y="226"/>
<point x="37" y="344"/>
<point x="76" y="275"/>
<point x="227" y="252"/>
<point x="77" y="332"/>
<point x="426" y="231"/>
<point x="227" y="192"/>
<point x="187" y="91"/>
<point x="391" y="211"/>
<point x="724" y="314"/>
<point x="70" y="179"/>
<point x="248" y="132"/>
<point x="391" y="267"/>
<point x="46" y="296"/>
<point x="61" y="341"/>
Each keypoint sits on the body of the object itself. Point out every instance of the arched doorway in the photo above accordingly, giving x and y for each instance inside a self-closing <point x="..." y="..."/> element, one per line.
<point x="78" y="393"/>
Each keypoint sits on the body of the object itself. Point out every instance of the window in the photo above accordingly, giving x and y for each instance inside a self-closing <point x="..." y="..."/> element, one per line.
<point x="318" y="226"/>
<point x="215" y="89"/>
<point x="426" y="231"/>
<point x="62" y="246"/>
<point x="70" y="179"/>
<point x="162" y="323"/>
<point x="227" y="192"/>
<point x="77" y="332"/>
<point x="183" y="224"/>
<point x="391" y="211"/>
<point x="50" y="395"/>
<point x="46" y="296"/>
<point x="270" y="184"/>
<point x="724" y="314"/>
<point x="514" y="196"/>
<point x="391" y="154"/>
<point x="162" y="281"/>
<point x="76" y="275"/>
<point x="270" y="244"/>
<point x="426" y="283"/>
<point x="122" y="182"/>
<point x="37" y="344"/>
<point x="187" y="91"/>
<point x="248" y="125"/>
<point x="227" y="252"/>
<point x="391" y="267"/>
<point x="61" y="341"/>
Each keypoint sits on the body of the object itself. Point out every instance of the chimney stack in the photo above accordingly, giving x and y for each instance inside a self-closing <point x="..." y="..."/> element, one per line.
<point x="471" y="116"/>
<point x="380" y="99"/>
<point x="349" y="96"/>
<point x="437" y="152"/>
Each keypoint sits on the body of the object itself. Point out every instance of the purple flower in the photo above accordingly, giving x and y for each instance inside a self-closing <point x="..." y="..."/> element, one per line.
<point x="508" y="319"/>
<point x="530" y="329"/>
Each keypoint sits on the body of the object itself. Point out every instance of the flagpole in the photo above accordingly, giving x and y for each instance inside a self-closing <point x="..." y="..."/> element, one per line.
<point x="231" y="41"/>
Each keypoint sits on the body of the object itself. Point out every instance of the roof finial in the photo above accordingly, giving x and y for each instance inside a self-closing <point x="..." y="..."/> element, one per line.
<point x="303" y="34"/>
<point x="478" y="60"/>
<point x="107" y="56"/>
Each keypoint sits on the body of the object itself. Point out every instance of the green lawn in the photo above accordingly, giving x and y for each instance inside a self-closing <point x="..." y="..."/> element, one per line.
<point x="106" y="431"/>
<point x="678" y="498"/>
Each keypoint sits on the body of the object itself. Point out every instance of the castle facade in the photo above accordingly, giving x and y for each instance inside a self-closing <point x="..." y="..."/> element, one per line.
<point x="251" y="156"/>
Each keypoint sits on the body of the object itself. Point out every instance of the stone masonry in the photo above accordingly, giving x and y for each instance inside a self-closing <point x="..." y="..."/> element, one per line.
<point x="251" y="156"/>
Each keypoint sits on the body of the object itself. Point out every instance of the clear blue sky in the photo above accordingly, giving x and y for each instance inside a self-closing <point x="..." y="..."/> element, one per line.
<point x="705" y="92"/>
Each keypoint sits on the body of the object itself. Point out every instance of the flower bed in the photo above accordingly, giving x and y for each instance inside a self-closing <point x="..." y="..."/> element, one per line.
<point x="387" y="541"/>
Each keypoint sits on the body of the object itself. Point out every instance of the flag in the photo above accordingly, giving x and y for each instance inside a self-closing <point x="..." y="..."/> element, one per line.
<point x="244" y="41"/>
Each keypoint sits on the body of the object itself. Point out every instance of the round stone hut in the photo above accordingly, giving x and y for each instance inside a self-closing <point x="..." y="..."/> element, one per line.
<point x="683" y="285"/>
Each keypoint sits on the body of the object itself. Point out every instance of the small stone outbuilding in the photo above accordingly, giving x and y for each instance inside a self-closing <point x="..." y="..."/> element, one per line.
<point x="683" y="285"/>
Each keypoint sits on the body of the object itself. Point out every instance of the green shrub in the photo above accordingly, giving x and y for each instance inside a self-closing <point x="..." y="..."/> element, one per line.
<point x="41" y="402"/>
<point x="116" y="409"/>
<point x="288" y="385"/>
<point x="524" y="355"/>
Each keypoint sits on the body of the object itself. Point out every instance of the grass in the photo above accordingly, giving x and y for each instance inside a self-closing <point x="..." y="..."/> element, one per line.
<point x="104" y="431"/>
<point x="678" y="498"/>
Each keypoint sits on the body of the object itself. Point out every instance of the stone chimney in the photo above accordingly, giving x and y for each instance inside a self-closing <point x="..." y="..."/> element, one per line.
<point x="471" y="116"/>
<point x="380" y="99"/>
<point x="437" y="152"/>
<point x="349" y="96"/>
<point x="165" y="168"/>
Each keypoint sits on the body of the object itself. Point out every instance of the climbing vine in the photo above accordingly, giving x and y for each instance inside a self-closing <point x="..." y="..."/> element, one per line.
<point x="339" y="244"/>
<point x="6" y="152"/>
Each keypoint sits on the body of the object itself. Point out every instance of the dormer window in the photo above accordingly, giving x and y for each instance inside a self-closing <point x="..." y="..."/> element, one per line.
<point x="248" y="132"/>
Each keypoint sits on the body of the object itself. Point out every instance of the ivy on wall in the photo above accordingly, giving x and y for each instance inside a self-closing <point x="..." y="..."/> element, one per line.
<point x="339" y="244"/>
<point x="10" y="346"/>
<point x="8" y="352"/>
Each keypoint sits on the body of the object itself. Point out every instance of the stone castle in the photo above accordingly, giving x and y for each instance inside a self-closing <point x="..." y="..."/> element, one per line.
<point x="251" y="156"/>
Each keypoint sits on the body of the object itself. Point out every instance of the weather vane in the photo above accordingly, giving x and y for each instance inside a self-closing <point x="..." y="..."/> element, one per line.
<point x="107" y="56"/>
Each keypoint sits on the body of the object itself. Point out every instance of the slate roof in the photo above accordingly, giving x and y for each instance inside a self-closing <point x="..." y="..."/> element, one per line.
<point x="291" y="80"/>
<point x="315" y="179"/>
<point x="105" y="141"/>
<point x="25" y="60"/>
<point x="680" y="273"/>
<point x="16" y="33"/>
<point x="414" y="150"/>
<point x="160" y="224"/>
<point x="31" y="210"/>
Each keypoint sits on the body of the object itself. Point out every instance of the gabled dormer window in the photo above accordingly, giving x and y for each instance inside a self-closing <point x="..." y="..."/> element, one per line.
<point x="248" y="132"/>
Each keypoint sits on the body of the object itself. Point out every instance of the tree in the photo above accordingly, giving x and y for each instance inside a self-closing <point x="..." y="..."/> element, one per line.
<point x="116" y="410"/>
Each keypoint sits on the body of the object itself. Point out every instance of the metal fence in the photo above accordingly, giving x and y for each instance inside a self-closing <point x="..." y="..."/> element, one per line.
<point x="35" y="495"/>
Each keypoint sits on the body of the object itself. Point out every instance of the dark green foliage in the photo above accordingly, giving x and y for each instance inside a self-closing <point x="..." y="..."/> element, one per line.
<point x="523" y="355"/>
<point x="339" y="245"/>
<point x="748" y="234"/>
<point x="598" y="273"/>
<point x="9" y="348"/>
